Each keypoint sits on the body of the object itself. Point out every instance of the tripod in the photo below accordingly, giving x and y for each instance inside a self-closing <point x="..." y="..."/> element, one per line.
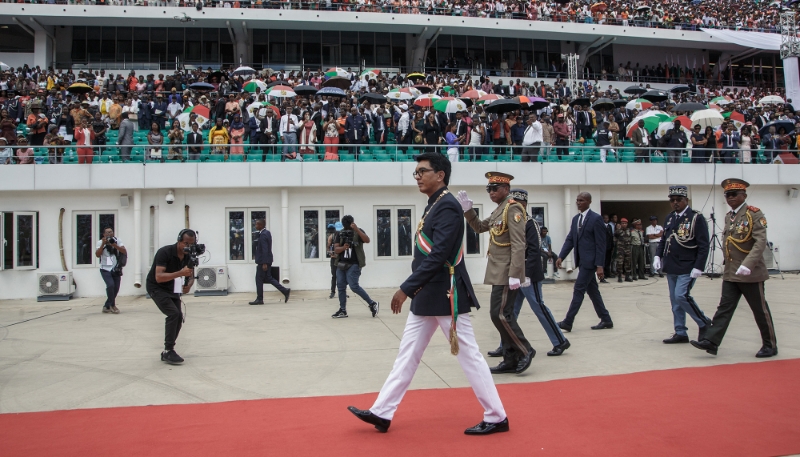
<point x="714" y="243"/>
<point x="775" y="259"/>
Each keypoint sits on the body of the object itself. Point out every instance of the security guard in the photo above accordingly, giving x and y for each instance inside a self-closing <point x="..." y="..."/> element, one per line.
<point x="745" y="238"/>
<point x="505" y="270"/>
<point x="684" y="248"/>
<point x="623" y="235"/>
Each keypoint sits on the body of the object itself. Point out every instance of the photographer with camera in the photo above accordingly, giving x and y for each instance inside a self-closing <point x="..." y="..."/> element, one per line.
<point x="110" y="251"/>
<point x="348" y="245"/>
<point x="166" y="283"/>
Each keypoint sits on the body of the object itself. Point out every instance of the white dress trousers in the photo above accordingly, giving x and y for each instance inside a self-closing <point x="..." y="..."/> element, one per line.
<point x="416" y="336"/>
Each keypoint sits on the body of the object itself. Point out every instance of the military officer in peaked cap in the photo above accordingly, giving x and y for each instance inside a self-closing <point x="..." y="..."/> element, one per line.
<point x="505" y="270"/>
<point x="682" y="254"/>
<point x="744" y="273"/>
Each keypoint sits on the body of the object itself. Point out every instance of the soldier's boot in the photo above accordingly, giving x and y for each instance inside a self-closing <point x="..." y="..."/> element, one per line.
<point x="628" y="278"/>
<point x="635" y="278"/>
<point x="619" y="277"/>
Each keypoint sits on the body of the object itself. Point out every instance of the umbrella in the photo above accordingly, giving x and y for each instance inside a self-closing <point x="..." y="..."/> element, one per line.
<point x="406" y="93"/>
<point x="473" y="94"/>
<point x="255" y="108"/>
<point x="620" y="103"/>
<point x="416" y="76"/>
<point x="371" y="73"/>
<point x="679" y="89"/>
<point x="449" y="90"/>
<point x="664" y="127"/>
<point x="279" y="82"/>
<point x="216" y="74"/>
<point x="580" y="101"/>
<point x="600" y="6"/>
<point x="639" y="104"/>
<point x="714" y="106"/>
<point x="656" y="95"/>
<point x="4" y="66"/>
<point x="253" y="85"/>
<point x="332" y="92"/>
<point x="305" y="90"/>
<point x="244" y="71"/>
<point x="423" y="88"/>
<point x="372" y="98"/>
<point x="426" y="100"/>
<point x="337" y="71"/>
<point x="537" y="103"/>
<point x="652" y="118"/>
<point x="736" y="118"/>
<point x="689" y="106"/>
<point x="201" y="86"/>
<point x="707" y="118"/>
<point x="79" y="88"/>
<point x="771" y="99"/>
<point x="280" y="91"/>
<point x="642" y="8"/>
<point x="201" y="113"/>
<point x="449" y="105"/>
<point x="635" y="90"/>
<point x="338" y="81"/>
<point x="503" y="106"/>
<point x="489" y="98"/>
<point x="786" y="124"/>
<point x="724" y="100"/>
<point x="603" y="104"/>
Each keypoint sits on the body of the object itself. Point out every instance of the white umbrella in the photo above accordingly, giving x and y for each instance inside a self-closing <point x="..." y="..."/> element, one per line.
<point x="707" y="118"/>
<point x="244" y="71"/>
<point x="4" y="66"/>
<point x="771" y="99"/>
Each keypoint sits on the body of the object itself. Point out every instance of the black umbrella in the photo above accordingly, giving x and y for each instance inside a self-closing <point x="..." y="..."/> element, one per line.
<point x="279" y="82"/>
<point x="580" y="101"/>
<point x="503" y="106"/>
<point x="338" y="81"/>
<point x="217" y="74"/>
<point x="689" y="106"/>
<point x="620" y="103"/>
<point x="423" y="88"/>
<point x="656" y="96"/>
<point x="635" y="90"/>
<point x="603" y="104"/>
<point x="372" y="98"/>
<point x="201" y="86"/>
<point x="467" y="101"/>
<point x="786" y="124"/>
<point x="679" y="89"/>
<point x="305" y="90"/>
<point x="332" y="92"/>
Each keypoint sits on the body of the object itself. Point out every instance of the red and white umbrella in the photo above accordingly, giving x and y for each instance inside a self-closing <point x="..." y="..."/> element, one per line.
<point x="280" y="92"/>
<point x="474" y="94"/>
<point x="489" y="98"/>
<point x="426" y="100"/>
<point x="449" y="105"/>
<point x="406" y="93"/>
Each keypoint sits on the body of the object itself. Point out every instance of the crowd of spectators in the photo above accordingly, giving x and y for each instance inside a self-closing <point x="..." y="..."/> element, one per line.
<point x="758" y="15"/>
<point x="144" y="112"/>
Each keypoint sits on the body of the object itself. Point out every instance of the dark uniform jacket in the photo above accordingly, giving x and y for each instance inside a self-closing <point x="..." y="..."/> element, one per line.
<point x="533" y="253"/>
<point x="744" y="240"/>
<point x="589" y="243"/>
<point x="264" y="248"/>
<point x="356" y="128"/>
<point x="684" y="243"/>
<point x="429" y="283"/>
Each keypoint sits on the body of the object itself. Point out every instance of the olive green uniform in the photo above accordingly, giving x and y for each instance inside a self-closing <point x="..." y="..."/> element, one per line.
<point x="623" y="237"/>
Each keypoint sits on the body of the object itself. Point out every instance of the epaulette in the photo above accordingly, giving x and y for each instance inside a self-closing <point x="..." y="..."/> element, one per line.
<point x="753" y="208"/>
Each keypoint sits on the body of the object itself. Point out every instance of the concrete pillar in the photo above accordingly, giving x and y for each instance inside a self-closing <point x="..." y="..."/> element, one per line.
<point x="43" y="48"/>
<point x="285" y="237"/>
<point x="567" y="263"/>
<point x="137" y="238"/>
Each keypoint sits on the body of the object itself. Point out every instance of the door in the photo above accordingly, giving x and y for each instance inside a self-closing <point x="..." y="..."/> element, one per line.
<point x="331" y="55"/>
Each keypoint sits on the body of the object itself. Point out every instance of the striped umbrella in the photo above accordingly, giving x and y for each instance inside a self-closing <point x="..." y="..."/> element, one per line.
<point x="281" y="92"/>
<point x="202" y="116"/>
<point x="449" y="105"/>
<point x="534" y="103"/>
<point x="736" y="117"/>
<point x="449" y="90"/>
<point x="372" y="73"/>
<point x="639" y="104"/>
<point x="253" y="85"/>
<point x="426" y="100"/>
<point x="473" y="94"/>
<point x="721" y="101"/>
<point x="256" y="107"/>
<point x="664" y="127"/>
<point x="337" y="71"/>
<point x="652" y="118"/>
<point x="489" y="98"/>
<point x="406" y="93"/>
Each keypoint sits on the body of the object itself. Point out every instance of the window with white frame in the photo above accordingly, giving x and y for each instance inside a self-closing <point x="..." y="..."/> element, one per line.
<point x="20" y="230"/>
<point x="315" y="223"/>
<point x="472" y="240"/>
<point x="538" y="212"/>
<point x="87" y="230"/>
<point x="394" y="231"/>
<point x="242" y="235"/>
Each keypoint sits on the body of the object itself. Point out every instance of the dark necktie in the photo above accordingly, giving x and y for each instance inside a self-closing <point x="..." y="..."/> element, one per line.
<point x="580" y="224"/>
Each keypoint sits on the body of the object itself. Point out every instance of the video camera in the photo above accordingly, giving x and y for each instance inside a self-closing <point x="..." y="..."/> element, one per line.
<point x="192" y="253"/>
<point x="346" y="237"/>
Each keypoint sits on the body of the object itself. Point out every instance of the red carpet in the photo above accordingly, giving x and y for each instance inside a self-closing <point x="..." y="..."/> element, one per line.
<point x="750" y="409"/>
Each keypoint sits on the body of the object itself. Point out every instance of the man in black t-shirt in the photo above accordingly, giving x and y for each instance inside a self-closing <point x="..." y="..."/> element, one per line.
<point x="165" y="284"/>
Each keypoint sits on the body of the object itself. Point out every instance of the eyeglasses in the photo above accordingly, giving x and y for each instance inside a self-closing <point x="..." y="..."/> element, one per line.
<point x="731" y="194"/>
<point x="418" y="173"/>
<point x="492" y="188"/>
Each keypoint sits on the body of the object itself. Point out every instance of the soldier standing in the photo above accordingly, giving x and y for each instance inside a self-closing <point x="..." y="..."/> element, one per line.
<point x="745" y="238"/>
<point x="623" y="236"/>
<point x="505" y="270"/>
<point x="637" y="250"/>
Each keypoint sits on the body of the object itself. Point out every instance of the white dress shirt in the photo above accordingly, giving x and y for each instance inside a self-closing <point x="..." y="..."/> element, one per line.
<point x="286" y="126"/>
<point x="533" y="134"/>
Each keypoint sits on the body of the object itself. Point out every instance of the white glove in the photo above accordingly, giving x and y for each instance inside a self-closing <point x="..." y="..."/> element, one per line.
<point x="527" y="282"/>
<point x="466" y="203"/>
<point x="695" y="273"/>
<point x="656" y="263"/>
<point x="513" y="283"/>
<point x="743" y="271"/>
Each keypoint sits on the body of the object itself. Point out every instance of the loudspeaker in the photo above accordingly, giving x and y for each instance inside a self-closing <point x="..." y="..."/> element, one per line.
<point x="793" y="192"/>
<point x="124" y="200"/>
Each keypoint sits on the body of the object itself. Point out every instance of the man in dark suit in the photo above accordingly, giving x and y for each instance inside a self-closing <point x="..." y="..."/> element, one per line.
<point x="263" y="257"/>
<point x="195" y="141"/>
<point x="587" y="235"/>
<point x="268" y="131"/>
<point x="441" y="297"/>
<point x="355" y="130"/>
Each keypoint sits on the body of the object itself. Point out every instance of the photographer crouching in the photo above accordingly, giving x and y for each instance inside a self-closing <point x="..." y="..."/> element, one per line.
<point x="113" y="256"/>
<point x="348" y="244"/>
<point x="171" y="275"/>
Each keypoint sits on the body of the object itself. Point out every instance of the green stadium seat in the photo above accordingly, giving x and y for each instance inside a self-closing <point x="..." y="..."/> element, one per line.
<point x="253" y="157"/>
<point x="366" y="157"/>
<point x="236" y="158"/>
<point x="347" y="158"/>
<point x="215" y="158"/>
<point x="273" y="158"/>
<point x="70" y="159"/>
<point x="383" y="157"/>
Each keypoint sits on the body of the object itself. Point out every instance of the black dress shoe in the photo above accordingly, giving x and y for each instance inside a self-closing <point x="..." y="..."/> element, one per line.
<point x="676" y="339"/>
<point x="642" y="277"/>
<point x="706" y="345"/>
<point x="619" y="278"/>
<point x="382" y="425"/>
<point x="487" y="428"/>
<point x="525" y="362"/>
<point x="635" y="278"/>
<point x="767" y="352"/>
<point x="558" y="350"/>
<point x="603" y="325"/>
<point x="564" y="326"/>
<point x="496" y="353"/>
<point x="604" y="281"/>
<point x="628" y="278"/>
<point x="660" y="275"/>
<point x="286" y="295"/>
<point x="503" y="367"/>
<point x="256" y="302"/>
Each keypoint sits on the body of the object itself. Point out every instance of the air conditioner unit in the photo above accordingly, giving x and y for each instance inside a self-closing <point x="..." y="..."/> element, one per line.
<point x="54" y="286"/>
<point x="769" y="255"/>
<point x="211" y="280"/>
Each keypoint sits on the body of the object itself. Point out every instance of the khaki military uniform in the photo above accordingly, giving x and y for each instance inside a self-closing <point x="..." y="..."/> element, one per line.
<point x="637" y="254"/>
<point x="744" y="240"/>
<point x="506" y="259"/>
